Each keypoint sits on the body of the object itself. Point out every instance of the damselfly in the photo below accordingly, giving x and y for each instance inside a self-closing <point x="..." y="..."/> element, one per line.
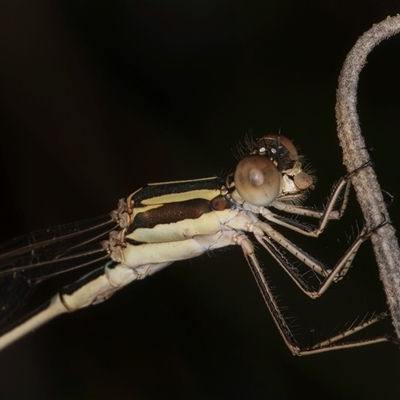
<point x="166" y="222"/>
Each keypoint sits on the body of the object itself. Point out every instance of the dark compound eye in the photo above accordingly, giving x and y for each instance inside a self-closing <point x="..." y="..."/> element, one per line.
<point x="279" y="149"/>
<point x="283" y="153"/>
<point x="257" y="180"/>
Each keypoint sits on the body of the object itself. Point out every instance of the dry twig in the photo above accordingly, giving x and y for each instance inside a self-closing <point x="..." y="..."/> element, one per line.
<point x="366" y="185"/>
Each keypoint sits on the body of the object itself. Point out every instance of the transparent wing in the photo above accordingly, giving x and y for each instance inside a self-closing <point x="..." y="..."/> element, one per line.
<point x="27" y="260"/>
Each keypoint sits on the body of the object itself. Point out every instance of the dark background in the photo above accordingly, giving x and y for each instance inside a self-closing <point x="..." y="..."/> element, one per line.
<point x="97" y="100"/>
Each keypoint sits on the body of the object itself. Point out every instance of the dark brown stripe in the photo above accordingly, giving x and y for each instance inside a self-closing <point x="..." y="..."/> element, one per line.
<point x="170" y="213"/>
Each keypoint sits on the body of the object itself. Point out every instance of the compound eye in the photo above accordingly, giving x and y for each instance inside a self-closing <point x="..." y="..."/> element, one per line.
<point x="257" y="180"/>
<point x="287" y="144"/>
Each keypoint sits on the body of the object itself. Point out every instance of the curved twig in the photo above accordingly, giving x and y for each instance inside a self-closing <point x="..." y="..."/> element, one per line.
<point x="369" y="194"/>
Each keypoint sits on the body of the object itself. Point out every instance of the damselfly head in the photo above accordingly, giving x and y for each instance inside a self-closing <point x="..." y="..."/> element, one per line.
<point x="272" y="170"/>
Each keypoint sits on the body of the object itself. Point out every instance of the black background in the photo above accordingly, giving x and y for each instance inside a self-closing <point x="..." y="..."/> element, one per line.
<point x="97" y="100"/>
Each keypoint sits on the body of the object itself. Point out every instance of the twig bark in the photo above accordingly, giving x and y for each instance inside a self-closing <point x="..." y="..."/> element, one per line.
<point x="355" y="154"/>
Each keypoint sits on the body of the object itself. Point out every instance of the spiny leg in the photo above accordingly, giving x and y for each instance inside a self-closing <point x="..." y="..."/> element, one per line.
<point x="273" y="241"/>
<point x="282" y="325"/>
<point x="277" y="244"/>
<point x="331" y="343"/>
<point x="328" y="214"/>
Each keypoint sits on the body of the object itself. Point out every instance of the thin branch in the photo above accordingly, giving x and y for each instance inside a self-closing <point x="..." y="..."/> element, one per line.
<point x="369" y="194"/>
